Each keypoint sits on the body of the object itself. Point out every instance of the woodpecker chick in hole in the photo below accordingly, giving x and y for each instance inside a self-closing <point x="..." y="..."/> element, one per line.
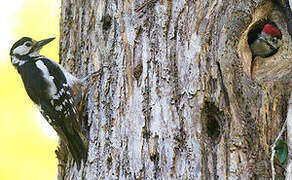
<point x="267" y="42"/>
<point x="50" y="87"/>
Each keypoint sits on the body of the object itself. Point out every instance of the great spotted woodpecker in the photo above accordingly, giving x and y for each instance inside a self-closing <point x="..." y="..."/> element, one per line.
<point x="49" y="86"/>
<point x="267" y="42"/>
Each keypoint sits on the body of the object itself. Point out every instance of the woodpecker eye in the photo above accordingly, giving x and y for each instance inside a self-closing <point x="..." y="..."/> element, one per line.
<point x="275" y="40"/>
<point x="28" y="44"/>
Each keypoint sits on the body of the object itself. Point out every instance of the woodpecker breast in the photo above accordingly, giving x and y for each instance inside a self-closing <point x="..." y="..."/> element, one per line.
<point x="261" y="48"/>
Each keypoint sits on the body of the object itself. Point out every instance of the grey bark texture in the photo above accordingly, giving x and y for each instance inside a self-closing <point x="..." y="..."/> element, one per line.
<point x="181" y="97"/>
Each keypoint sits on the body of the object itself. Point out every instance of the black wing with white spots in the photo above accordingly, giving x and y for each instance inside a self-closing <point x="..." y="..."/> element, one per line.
<point x="50" y="91"/>
<point x="60" y="106"/>
<point x="60" y="111"/>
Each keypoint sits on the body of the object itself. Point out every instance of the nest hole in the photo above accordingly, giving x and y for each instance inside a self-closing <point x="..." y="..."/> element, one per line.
<point x="212" y="120"/>
<point x="106" y="22"/>
<point x="213" y="127"/>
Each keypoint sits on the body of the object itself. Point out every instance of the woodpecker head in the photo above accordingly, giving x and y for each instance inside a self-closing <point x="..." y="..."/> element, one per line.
<point x="267" y="42"/>
<point x="26" y="47"/>
<point x="271" y="35"/>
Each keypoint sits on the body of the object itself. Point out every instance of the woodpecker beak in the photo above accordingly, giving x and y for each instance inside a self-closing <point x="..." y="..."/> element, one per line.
<point x="41" y="43"/>
<point x="261" y="37"/>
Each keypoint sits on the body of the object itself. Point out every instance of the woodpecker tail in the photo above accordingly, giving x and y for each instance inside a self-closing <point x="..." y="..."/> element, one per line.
<point x="77" y="148"/>
<point x="76" y="145"/>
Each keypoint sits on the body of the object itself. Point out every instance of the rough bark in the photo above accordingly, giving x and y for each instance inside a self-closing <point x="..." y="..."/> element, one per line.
<point x="181" y="97"/>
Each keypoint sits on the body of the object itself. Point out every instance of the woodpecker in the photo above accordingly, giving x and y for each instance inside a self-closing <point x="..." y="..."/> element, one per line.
<point x="50" y="87"/>
<point x="267" y="42"/>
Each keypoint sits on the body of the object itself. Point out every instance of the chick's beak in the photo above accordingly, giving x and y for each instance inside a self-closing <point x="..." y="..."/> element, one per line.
<point x="43" y="42"/>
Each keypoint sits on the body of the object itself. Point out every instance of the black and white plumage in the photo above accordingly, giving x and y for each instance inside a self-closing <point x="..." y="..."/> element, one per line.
<point x="49" y="86"/>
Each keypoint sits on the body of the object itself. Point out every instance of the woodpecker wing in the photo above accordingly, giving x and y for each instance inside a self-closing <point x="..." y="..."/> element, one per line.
<point x="60" y="111"/>
<point x="58" y="107"/>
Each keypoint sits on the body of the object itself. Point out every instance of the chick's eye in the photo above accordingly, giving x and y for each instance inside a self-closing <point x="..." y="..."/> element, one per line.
<point x="275" y="40"/>
<point x="28" y="44"/>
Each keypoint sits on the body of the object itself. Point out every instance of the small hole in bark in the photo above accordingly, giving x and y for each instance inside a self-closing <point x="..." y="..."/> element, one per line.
<point x="212" y="120"/>
<point x="106" y="22"/>
<point x="137" y="71"/>
<point x="256" y="39"/>
<point x="154" y="157"/>
<point x="109" y="160"/>
<point x="213" y="128"/>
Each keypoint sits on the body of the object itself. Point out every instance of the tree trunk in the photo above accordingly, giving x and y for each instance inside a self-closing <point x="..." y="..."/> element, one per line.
<point x="181" y="97"/>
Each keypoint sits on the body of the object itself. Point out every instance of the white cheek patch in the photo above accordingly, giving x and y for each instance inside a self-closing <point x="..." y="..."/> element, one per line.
<point x="21" y="50"/>
<point x="48" y="77"/>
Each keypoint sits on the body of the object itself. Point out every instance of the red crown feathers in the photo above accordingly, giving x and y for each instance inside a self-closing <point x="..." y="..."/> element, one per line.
<point x="271" y="30"/>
